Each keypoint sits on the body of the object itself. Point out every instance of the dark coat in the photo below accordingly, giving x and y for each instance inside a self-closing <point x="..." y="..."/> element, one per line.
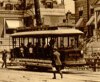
<point x="4" y="55"/>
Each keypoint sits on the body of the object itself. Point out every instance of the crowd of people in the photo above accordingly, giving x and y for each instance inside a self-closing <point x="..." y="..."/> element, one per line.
<point x="33" y="51"/>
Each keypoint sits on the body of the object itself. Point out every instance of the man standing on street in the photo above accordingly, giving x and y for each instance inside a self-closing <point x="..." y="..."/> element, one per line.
<point x="56" y="63"/>
<point x="4" y="58"/>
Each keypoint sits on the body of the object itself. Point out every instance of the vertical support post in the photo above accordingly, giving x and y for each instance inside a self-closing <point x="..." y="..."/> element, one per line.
<point x="19" y="42"/>
<point x="13" y="42"/>
<point x="95" y="30"/>
<point x="68" y="41"/>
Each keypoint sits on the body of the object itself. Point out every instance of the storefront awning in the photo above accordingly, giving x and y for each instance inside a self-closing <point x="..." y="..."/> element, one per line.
<point x="13" y="24"/>
<point x="91" y="20"/>
<point x="78" y="24"/>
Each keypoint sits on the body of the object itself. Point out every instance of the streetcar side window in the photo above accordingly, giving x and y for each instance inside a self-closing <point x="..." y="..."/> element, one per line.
<point x="17" y="42"/>
<point x="31" y="40"/>
<point x="65" y="42"/>
<point x="25" y="41"/>
<point x="72" y="42"/>
<point x="62" y="42"/>
<point x="34" y="42"/>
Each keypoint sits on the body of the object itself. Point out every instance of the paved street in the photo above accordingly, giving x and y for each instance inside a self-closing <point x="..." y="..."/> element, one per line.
<point x="20" y="74"/>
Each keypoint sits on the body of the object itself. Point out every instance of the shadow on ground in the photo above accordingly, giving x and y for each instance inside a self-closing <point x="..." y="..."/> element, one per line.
<point x="35" y="69"/>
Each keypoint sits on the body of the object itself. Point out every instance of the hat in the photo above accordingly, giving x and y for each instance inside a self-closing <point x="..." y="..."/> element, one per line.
<point x="55" y="48"/>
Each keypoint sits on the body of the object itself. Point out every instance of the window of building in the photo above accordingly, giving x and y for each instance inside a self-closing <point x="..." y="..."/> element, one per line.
<point x="28" y="21"/>
<point x="1" y="3"/>
<point x="17" y="6"/>
<point x="43" y="2"/>
<point x="9" y="6"/>
<point x="80" y="13"/>
<point x="80" y="9"/>
<point x="64" y="20"/>
<point x="29" y="6"/>
<point x="49" y="5"/>
<point x="91" y="10"/>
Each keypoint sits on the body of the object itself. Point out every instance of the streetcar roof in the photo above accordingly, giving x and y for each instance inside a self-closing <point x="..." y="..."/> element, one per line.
<point x="49" y="32"/>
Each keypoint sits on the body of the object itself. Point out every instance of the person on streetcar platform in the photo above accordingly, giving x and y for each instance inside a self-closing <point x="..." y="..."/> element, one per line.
<point x="56" y="63"/>
<point x="30" y="50"/>
<point x="22" y="50"/>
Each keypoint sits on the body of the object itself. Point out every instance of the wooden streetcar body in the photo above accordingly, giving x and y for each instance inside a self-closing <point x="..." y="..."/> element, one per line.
<point x="66" y="40"/>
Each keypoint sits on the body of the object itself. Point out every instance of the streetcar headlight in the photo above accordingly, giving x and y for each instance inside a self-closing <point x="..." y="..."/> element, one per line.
<point x="81" y="51"/>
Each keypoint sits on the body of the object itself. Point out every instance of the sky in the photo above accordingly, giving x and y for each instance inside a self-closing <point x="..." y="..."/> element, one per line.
<point x="69" y="5"/>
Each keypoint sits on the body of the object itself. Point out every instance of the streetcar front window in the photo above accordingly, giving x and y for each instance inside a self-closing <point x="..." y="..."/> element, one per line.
<point x="67" y="42"/>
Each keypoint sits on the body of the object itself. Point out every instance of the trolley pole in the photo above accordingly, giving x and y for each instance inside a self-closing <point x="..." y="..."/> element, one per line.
<point x="37" y="13"/>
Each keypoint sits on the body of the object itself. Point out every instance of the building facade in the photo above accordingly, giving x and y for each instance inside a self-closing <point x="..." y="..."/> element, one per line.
<point x="52" y="11"/>
<point x="15" y="14"/>
<point x="84" y="13"/>
<point x="10" y="19"/>
<point x="97" y="19"/>
<point x="69" y="21"/>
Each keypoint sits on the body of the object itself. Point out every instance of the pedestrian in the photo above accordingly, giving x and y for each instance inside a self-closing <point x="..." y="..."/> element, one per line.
<point x="4" y="58"/>
<point x="56" y="63"/>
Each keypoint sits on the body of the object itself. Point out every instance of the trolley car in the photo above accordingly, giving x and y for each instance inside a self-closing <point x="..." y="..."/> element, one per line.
<point x="31" y="48"/>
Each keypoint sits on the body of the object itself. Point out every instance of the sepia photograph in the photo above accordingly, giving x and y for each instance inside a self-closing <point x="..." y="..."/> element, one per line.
<point x="49" y="41"/>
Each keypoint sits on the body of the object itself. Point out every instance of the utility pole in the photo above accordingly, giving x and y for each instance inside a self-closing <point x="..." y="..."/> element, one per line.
<point x="37" y="13"/>
<point x="88" y="6"/>
<point x="88" y="12"/>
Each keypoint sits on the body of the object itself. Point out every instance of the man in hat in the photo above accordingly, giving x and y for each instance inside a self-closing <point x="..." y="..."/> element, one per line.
<point x="56" y="63"/>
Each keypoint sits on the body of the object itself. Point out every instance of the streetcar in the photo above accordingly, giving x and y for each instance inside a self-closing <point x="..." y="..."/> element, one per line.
<point x="36" y="53"/>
